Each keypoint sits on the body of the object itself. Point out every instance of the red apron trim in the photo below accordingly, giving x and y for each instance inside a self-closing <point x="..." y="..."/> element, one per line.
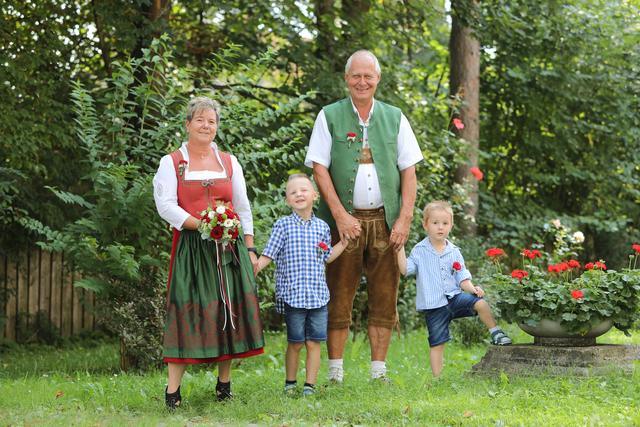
<point x="192" y="361"/>
<point x="174" y="246"/>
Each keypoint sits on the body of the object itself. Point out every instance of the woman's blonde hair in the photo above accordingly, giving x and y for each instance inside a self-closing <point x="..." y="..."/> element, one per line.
<point x="202" y="103"/>
<point x="437" y="205"/>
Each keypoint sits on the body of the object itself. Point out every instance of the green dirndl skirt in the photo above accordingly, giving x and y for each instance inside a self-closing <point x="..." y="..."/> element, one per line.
<point x="212" y="303"/>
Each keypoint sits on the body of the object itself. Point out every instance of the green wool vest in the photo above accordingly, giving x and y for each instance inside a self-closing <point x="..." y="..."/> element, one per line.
<point x="383" y="129"/>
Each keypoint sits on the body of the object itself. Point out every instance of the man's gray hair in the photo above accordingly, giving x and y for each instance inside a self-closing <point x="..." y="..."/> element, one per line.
<point x="202" y="103"/>
<point x="368" y="53"/>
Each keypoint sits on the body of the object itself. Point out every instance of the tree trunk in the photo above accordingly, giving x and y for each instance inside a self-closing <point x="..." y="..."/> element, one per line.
<point x="464" y="83"/>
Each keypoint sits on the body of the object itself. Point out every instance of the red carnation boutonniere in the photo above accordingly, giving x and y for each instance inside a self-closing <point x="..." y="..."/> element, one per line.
<point x="322" y="248"/>
<point x="456" y="266"/>
<point x="351" y="137"/>
<point x="182" y="164"/>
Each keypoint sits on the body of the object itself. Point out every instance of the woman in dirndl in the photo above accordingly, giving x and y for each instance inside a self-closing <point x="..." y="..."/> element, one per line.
<point x="212" y="304"/>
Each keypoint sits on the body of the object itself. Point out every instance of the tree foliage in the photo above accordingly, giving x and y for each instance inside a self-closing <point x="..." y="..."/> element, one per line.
<point x="561" y="132"/>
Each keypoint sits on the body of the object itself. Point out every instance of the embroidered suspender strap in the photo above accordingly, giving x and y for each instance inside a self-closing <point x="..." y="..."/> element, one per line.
<point x="176" y="156"/>
<point x="226" y="162"/>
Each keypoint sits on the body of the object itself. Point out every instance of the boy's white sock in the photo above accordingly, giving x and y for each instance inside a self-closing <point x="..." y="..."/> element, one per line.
<point x="378" y="369"/>
<point x="336" y="371"/>
<point x="495" y="328"/>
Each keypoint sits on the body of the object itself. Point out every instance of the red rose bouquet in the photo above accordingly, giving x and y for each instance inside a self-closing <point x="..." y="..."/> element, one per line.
<point x="219" y="223"/>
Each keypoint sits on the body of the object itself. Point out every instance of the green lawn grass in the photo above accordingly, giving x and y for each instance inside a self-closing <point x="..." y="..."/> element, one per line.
<point x="81" y="385"/>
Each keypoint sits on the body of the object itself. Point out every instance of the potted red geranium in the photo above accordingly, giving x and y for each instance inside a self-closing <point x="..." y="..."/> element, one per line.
<point x="552" y="295"/>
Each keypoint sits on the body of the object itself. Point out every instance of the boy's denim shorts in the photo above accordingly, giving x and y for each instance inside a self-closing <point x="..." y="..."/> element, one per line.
<point x="438" y="319"/>
<point x="306" y="324"/>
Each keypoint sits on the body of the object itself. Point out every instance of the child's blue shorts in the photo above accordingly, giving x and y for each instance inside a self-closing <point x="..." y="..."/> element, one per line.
<point x="306" y="324"/>
<point x="438" y="319"/>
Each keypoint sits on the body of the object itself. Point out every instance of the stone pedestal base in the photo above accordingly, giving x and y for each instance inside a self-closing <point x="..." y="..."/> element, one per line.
<point x="536" y="359"/>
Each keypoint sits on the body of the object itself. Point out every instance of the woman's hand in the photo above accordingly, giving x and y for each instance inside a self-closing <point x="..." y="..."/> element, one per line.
<point x="254" y="262"/>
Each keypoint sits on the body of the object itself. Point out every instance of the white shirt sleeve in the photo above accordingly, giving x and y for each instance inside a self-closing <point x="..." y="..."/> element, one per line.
<point x="320" y="143"/>
<point x="165" y="194"/>
<point x="240" y="200"/>
<point x="409" y="152"/>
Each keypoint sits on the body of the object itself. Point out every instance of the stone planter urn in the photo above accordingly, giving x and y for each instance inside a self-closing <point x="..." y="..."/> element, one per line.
<point x="551" y="333"/>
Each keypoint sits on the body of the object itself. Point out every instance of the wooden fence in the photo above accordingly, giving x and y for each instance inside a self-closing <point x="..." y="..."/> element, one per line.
<point x="40" y="291"/>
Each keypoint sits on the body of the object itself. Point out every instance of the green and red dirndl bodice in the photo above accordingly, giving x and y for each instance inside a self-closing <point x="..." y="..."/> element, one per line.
<point x="212" y="304"/>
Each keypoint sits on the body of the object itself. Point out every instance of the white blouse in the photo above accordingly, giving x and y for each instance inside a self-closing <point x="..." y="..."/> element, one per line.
<point x="165" y="190"/>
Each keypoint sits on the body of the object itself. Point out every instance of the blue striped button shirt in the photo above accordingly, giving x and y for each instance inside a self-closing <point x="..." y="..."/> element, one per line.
<point x="435" y="277"/>
<point x="300" y="263"/>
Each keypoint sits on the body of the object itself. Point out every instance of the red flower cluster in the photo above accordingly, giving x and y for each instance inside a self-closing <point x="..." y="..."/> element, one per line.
<point x="494" y="252"/>
<point x="563" y="266"/>
<point x="476" y="172"/>
<point x="458" y="123"/>
<point x="558" y="268"/>
<point x="457" y="266"/>
<point x="577" y="294"/>
<point x="598" y="265"/>
<point x="323" y="246"/>
<point x="532" y="253"/>
<point x="519" y="274"/>
<point x="573" y="263"/>
<point x="636" y="247"/>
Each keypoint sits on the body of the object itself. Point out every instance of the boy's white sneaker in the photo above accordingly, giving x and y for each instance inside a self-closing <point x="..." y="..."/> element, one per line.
<point x="336" y="374"/>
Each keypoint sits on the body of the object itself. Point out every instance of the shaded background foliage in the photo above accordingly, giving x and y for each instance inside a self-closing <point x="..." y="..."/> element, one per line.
<point x="559" y="125"/>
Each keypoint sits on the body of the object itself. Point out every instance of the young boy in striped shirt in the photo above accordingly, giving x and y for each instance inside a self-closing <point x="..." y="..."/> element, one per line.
<point x="300" y="245"/>
<point x="441" y="278"/>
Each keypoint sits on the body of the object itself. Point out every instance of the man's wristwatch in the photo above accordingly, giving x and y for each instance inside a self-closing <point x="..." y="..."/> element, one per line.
<point x="254" y="250"/>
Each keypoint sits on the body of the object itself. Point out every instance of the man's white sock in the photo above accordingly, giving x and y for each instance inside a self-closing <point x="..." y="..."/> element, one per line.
<point x="378" y="368"/>
<point x="336" y="372"/>
<point x="335" y="363"/>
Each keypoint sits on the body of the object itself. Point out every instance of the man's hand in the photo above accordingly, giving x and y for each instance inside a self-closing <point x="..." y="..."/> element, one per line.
<point x="400" y="233"/>
<point x="348" y="227"/>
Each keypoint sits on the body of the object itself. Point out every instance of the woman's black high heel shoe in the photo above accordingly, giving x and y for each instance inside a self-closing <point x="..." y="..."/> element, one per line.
<point x="172" y="400"/>
<point x="223" y="391"/>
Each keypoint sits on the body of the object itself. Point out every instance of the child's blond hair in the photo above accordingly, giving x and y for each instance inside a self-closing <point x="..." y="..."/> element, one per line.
<point x="437" y="205"/>
<point x="303" y="176"/>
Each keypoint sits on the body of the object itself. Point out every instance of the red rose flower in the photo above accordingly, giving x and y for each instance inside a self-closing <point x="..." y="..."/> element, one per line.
<point x="182" y="162"/>
<point x="323" y="246"/>
<point x="636" y="247"/>
<point x="600" y="265"/>
<point x="577" y="294"/>
<point x="588" y="266"/>
<point x="351" y="135"/>
<point x="229" y="213"/>
<point x="519" y="274"/>
<point x="573" y="263"/>
<point x="457" y="266"/>
<point x="553" y="268"/>
<point x="476" y="172"/>
<point x="494" y="252"/>
<point x="216" y="232"/>
<point x="234" y="233"/>
<point x="458" y="123"/>
<point x="563" y="266"/>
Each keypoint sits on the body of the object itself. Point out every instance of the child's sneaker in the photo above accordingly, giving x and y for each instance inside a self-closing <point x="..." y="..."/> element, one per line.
<point x="289" y="389"/>
<point x="336" y="374"/>
<point x="308" y="390"/>
<point x="500" y="338"/>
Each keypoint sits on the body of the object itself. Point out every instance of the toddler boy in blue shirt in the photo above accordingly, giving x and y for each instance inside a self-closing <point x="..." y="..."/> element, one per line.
<point x="441" y="280"/>
<point x="300" y="245"/>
